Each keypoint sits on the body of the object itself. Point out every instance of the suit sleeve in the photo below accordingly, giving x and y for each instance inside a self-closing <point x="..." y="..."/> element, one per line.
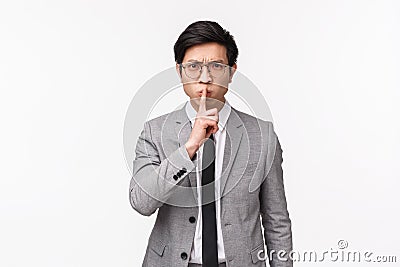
<point x="153" y="181"/>
<point x="274" y="213"/>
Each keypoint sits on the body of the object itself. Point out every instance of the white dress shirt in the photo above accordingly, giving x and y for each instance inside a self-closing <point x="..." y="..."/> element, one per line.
<point x="219" y="138"/>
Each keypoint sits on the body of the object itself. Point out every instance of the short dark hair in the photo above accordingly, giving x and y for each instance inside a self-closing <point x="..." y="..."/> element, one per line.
<point x="201" y="32"/>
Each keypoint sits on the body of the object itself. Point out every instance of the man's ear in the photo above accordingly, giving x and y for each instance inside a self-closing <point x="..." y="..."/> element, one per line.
<point x="232" y="71"/>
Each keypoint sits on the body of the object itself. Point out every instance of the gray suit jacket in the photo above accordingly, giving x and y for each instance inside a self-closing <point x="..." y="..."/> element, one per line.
<point x="252" y="192"/>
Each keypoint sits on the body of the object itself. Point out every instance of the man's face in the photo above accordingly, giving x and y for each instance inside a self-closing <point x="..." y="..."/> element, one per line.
<point x="217" y="84"/>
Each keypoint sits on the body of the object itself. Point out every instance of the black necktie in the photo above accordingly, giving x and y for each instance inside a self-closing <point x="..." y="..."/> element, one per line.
<point x="209" y="233"/>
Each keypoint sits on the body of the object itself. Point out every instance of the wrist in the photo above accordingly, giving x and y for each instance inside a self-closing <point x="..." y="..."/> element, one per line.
<point x="191" y="148"/>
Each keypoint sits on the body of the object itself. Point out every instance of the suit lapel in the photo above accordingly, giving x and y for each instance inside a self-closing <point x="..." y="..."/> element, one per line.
<point x="182" y="131"/>
<point x="234" y="132"/>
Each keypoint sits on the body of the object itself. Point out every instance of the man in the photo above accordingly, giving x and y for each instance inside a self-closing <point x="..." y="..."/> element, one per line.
<point x="213" y="173"/>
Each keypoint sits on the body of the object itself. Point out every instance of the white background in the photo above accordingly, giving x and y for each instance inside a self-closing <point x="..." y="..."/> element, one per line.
<point x="69" y="69"/>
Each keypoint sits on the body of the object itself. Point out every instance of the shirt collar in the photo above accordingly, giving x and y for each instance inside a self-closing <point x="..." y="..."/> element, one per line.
<point x="223" y="114"/>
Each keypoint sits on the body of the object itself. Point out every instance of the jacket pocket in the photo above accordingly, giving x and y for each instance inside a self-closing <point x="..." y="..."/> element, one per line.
<point x="258" y="253"/>
<point x="158" y="247"/>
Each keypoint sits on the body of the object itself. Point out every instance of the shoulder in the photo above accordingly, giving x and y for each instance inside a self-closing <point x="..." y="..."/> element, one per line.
<point x="253" y="123"/>
<point x="164" y="122"/>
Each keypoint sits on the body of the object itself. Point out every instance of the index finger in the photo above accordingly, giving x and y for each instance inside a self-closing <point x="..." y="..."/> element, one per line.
<point x="202" y="104"/>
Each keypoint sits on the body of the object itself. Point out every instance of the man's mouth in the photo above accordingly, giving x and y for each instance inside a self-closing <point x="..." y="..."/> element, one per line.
<point x="207" y="95"/>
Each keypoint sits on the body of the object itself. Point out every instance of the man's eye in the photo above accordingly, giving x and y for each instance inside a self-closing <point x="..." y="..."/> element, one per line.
<point x="193" y="66"/>
<point x="217" y="66"/>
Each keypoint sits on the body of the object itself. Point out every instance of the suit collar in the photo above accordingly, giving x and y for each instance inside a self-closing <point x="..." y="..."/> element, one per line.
<point x="223" y="114"/>
<point x="181" y="116"/>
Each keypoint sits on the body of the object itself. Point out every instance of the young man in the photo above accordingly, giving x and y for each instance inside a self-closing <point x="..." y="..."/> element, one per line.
<point x="213" y="173"/>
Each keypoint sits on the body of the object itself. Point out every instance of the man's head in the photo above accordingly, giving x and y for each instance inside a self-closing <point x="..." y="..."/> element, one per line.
<point x="205" y="56"/>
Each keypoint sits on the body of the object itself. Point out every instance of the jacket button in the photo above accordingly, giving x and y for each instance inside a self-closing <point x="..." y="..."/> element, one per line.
<point x="179" y="174"/>
<point x="184" y="255"/>
<point x="184" y="169"/>
<point x="192" y="219"/>
<point x="175" y="177"/>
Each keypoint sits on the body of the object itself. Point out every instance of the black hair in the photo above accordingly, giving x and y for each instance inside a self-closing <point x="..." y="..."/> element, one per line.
<point x="201" y="32"/>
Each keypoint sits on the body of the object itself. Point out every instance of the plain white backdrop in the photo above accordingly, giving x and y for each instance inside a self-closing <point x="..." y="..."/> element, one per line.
<point x="69" y="69"/>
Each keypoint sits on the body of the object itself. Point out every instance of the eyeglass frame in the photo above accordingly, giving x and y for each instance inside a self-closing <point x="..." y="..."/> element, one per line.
<point x="184" y="65"/>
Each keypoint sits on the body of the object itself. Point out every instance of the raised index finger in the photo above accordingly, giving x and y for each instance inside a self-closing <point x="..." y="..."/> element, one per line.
<point x="202" y="104"/>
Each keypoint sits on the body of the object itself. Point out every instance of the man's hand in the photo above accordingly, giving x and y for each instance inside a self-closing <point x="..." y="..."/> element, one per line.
<point x="206" y="123"/>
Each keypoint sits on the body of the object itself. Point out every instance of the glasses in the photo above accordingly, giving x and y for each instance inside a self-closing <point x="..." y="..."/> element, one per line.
<point x="193" y="69"/>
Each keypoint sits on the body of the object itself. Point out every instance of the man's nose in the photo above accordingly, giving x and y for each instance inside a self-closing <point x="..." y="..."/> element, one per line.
<point x="205" y="76"/>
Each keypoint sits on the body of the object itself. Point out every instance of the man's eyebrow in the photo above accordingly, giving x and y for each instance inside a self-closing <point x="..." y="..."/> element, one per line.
<point x="213" y="60"/>
<point x="217" y="60"/>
